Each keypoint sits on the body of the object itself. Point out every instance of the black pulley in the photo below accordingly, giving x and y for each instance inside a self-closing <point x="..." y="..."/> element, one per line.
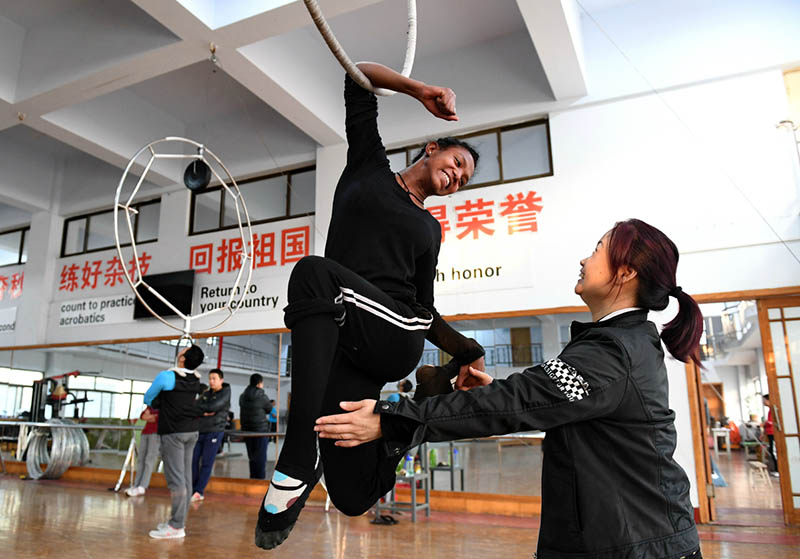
<point x="197" y="175"/>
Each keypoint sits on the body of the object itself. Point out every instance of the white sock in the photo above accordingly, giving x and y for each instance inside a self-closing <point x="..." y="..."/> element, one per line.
<point x="283" y="492"/>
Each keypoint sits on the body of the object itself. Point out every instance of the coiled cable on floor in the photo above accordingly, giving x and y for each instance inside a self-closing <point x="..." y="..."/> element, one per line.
<point x="70" y="447"/>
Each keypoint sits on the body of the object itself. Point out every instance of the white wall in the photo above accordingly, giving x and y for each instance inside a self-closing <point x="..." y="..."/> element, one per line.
<point x="717" y="185"/>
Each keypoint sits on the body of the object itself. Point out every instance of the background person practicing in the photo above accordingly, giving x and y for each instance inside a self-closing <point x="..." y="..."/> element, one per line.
<point x="610" y="487"/>
<point x="404" y="388"/>
<point x="214" y="403"/>
<point x="360" y="316"/>
<point x="148" y="453"/>
<point x="176" y="390"/>
<point x="769" y="433"/>
<point x="253" y="409"/>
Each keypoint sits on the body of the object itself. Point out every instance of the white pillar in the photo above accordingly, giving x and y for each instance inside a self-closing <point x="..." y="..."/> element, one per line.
<point x="330" y="164"/>
<point x="44" y="244"/>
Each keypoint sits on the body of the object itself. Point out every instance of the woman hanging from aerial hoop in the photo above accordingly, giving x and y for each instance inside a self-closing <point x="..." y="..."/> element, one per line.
<point x="610" y="486"/>
<point x="360" y="315"/>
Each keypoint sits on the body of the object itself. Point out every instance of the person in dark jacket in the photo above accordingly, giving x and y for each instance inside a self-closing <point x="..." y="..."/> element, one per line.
<point x="253" y="409"/>
<point x="178" y="424"/>
<point x="214" y="403"/>
<point x="610" y="486"/>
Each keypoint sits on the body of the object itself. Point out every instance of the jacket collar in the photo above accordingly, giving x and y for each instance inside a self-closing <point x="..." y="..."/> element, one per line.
<point x="183" y="372"/>
<point x="632" y="316"/>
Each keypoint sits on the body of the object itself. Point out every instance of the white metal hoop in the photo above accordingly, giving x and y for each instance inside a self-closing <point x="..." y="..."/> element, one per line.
<point x="135" y="277"/>
<point x="337" y="50"/>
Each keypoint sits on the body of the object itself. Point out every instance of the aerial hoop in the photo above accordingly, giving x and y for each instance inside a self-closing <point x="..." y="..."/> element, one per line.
<point x="337" y="50"/>
<point x="134" y="276"/>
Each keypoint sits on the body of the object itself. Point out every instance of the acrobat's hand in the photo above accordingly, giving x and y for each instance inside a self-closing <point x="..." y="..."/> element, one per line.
<point x="440" y="101"/>
<point x="472" y="376"/>
<point x="357" y="427"/>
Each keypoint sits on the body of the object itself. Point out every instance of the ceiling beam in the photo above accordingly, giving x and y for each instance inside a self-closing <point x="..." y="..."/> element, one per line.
<point x="281" y="20"/>
<point x="94" y="149"/>
<point x="296" y="104"/>
<point x="554" y="27"/>
<point x="119" y="76"/>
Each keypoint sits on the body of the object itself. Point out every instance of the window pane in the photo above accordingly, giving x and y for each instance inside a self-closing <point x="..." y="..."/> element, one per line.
<point x="137" y="405"/>
<point x="488" y="164"/>
<point x="147" y="226"/>
<point x="265" y="199"/>
<point x="81" y="381"/>
<point x="5" y="409"/>
<point x="774" y="314"/>
<point x="121" y="403"/>
<point x="140" y="386"/>
<point x="791" y="312"/>
<point x="397" y="161"/>
<point x="301" y="196"/>
<point x="206" y="211"/>
<point x="76" y="230"/>
<point x="25" y="235"/>
<point x="779" y="348"/>
<point x="124" y="233"/>
<point x="525" y="152"/>
<point x="20" y="376"/>
<point x="112" y="384"/>
<point x="92" y="407"/>
<point x="9" y="247"/>
<point x="101" y="231"/>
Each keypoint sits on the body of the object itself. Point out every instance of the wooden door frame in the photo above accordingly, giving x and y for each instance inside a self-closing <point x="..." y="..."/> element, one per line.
<point x="702" y="459"/>
<point x="791" y="515"/>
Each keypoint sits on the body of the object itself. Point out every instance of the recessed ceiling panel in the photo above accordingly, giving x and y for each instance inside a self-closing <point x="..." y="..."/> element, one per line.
<point x="69" y="39"/>
<point x="48" y="174"/>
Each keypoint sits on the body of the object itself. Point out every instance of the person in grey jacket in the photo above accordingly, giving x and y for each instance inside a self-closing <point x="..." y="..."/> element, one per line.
<point x="254" y="405"/>
<point x="214" y="403"/>
<point x="611" y="488"/>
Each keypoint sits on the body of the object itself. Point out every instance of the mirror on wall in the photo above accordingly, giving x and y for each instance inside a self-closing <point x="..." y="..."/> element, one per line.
<point x="109" y="381"/>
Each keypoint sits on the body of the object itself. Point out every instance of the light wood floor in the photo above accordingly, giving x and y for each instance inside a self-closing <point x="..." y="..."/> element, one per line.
<point x="80" y="521"/>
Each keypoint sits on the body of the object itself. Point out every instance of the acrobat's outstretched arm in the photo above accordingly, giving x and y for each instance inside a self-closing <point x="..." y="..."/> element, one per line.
<point x="440" y="101"/>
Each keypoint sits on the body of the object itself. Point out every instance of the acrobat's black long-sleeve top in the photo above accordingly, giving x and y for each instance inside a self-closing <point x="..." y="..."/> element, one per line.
<point x="379" y="233"/>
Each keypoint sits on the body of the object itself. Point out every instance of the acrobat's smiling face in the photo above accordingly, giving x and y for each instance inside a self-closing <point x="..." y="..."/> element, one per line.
<point x="448" y="168"/>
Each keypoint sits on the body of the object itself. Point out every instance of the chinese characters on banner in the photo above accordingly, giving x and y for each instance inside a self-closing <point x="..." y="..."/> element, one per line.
<point x="11" y="286"/>
<point x="476" y="217"/>
<point x="94" y="273"/>
<point x="226" y="254"/>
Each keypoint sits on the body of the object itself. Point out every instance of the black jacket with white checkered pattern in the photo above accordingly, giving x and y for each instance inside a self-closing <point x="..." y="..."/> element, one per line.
<point x="610" y="486"/>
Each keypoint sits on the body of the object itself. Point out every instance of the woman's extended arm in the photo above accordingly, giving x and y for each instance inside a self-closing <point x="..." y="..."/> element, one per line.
<point x="589" y="382"/>
<point x="440" y="101"/>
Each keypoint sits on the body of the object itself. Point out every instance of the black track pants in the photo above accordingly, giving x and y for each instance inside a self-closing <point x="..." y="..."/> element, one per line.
<point x="348" y="339"/>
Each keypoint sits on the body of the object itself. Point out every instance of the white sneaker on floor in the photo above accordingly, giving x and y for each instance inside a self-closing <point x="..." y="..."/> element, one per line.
<point x="165" y="531"/>
<point x="197" y="497"/>
<point x="135" y="491"/>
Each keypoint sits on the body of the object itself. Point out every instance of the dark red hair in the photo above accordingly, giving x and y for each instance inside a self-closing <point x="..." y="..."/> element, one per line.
<point x="654" y="257"/>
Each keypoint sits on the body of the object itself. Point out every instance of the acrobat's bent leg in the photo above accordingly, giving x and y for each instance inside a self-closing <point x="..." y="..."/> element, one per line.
<point x="331" y="309"/>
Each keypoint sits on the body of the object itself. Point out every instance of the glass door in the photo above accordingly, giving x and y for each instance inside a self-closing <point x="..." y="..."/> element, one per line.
<point x="780" y="332"/>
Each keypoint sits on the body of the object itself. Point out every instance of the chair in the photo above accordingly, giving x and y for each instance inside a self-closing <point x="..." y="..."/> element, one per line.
<point x="758" y="470"/>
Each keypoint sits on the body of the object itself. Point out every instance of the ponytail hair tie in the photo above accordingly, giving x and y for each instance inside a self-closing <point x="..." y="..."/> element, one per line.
<point x="675" y="291"/>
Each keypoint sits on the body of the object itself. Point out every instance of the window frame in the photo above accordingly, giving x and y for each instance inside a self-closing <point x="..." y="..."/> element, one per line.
<point x="411" y="150"/>
<point x="21" y="249"/>
<point x="88" y="217"/>
<point x="221" y="212"/>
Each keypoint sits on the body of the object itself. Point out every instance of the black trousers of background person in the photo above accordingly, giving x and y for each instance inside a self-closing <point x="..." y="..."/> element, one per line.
<point x="349" y="338"/>
<point x="771" y="450"/>
<point x="257" y="456"/>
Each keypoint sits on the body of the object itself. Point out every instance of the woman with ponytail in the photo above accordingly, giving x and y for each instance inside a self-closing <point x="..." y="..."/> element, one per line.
<point x="610" y="486"/>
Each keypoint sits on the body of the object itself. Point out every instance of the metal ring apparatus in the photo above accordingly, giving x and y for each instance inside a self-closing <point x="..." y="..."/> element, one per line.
<point x="337" y="50"/>
<point x="135" y="277"/>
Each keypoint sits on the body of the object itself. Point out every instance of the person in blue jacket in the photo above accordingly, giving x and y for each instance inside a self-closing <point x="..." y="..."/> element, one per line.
<point x="174" y="393"/>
